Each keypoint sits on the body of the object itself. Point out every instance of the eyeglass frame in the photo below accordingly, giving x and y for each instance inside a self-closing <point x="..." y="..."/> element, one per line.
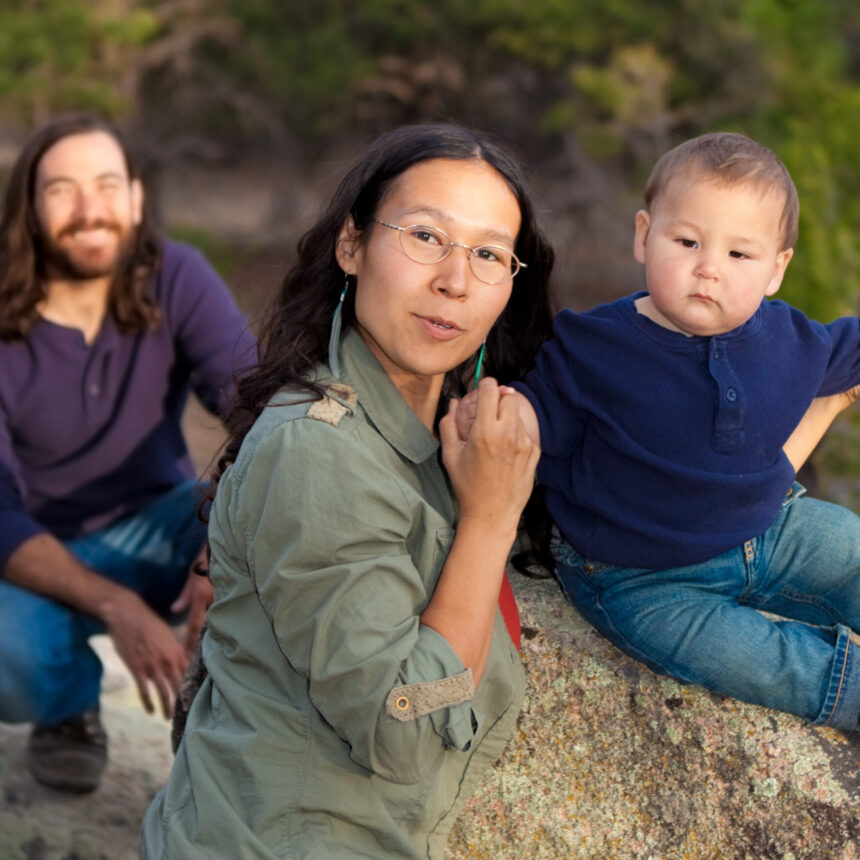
<point x="450" y="246"/>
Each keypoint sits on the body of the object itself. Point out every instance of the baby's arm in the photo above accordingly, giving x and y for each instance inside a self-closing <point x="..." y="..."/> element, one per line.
<point x="814" y="424"/>
<point x="469" y="409"/>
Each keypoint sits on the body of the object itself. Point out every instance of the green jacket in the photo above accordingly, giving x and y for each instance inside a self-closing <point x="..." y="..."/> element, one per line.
<point x="332" y="724"/>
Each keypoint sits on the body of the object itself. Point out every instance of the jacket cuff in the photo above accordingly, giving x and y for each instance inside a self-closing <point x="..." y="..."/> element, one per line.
<point x="410" y="701"/>
<point x="445" y="699"/>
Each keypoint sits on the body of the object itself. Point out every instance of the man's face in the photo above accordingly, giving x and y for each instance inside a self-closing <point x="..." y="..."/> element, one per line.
<point x="87" y="206"/>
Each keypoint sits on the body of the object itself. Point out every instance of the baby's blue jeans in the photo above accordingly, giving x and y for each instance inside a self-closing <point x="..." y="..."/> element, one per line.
<point x="48" y="671"/>
<point x="701" y="624"/>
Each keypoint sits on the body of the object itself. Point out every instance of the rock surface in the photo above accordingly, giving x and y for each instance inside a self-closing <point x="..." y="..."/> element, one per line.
<point x="612" y="761"/>
<point x="609" y="761"/>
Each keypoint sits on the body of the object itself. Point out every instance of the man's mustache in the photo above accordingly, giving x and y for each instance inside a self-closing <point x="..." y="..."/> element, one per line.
<point x="83" y="224"/>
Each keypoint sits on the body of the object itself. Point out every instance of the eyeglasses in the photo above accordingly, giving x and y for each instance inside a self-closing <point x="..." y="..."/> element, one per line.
<point x="489" y="263"/>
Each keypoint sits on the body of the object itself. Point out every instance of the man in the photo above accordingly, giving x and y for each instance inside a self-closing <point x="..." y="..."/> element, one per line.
<point x="104" y="328"/>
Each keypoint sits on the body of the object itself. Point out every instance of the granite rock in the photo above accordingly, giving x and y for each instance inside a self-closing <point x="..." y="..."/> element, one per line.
<point x="608" y="761"/>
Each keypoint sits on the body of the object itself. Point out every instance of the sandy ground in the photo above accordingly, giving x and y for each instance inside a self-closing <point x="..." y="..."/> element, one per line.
<point x="37" y="823"/>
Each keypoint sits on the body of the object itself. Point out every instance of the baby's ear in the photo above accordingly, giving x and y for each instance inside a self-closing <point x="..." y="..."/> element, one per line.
<point x="782" y="260"/>
<point x="643" y="227"/>
<point x="347" y="246"/>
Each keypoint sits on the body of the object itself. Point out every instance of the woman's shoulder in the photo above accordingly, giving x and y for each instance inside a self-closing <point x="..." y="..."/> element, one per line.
<point x="303" y="416"/>
<point x="314" y="452"/>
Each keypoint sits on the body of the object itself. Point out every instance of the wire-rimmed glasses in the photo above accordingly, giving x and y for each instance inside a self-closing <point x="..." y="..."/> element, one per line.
<point x="491" y="264"/>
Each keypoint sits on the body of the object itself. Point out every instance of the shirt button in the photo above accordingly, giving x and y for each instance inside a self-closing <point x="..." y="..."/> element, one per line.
<point x="731" y="395"/>
<point x="717" y="353"/>
<point x="95" y="390"/>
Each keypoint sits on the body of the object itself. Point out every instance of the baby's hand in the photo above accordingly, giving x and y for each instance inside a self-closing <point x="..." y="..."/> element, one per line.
<point x="469" y="409"/>
<point x="466" y="413"/>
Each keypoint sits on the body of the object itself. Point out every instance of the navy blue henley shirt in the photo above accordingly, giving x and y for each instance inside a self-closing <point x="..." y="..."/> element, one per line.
<point x="661" y="450"/>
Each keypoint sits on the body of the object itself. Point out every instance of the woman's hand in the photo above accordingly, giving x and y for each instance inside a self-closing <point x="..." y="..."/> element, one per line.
<point x="492" y="473"/>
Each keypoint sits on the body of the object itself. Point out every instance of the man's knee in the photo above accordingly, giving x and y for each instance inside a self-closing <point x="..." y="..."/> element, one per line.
<point x="47" y="666"/>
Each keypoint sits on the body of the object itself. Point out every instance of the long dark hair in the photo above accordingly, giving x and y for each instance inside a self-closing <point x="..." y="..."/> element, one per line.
<point x="21" y="275"/>
<point x="294" y="337"/>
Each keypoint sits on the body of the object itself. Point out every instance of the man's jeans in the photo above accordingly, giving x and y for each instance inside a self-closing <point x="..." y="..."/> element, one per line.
<point x="48" y="672"/>
<point x="700" y="623"/>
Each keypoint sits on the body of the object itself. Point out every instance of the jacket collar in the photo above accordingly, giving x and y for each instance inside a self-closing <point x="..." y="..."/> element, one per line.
<point x="382" y="402"/>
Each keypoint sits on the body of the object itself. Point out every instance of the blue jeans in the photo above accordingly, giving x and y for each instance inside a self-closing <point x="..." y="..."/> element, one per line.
<point x="48" y="672"/>
<point x="701" y="624"/>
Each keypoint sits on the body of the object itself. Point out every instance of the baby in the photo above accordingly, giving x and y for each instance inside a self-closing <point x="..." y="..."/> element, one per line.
<point x="662" y="419"/>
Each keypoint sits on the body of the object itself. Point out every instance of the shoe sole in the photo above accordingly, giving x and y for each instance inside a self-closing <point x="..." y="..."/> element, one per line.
<point x="68" y="771"/>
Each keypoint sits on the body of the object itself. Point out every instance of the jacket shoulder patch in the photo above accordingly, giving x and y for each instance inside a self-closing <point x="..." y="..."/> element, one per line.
<point x="331" y="410"/>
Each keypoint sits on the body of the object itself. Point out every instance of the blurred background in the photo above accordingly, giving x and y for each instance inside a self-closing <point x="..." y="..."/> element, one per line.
<point x="246" y="112"/>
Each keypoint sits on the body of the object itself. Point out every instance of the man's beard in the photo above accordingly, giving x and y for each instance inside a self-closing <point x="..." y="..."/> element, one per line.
<point x="82" y="264"/>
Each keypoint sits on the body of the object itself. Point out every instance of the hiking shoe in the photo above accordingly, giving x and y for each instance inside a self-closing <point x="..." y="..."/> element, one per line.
<point x="71" y="755"/>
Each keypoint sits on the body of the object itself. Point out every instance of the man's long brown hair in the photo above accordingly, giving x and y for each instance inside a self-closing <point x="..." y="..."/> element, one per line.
<point x="22" y="275"/>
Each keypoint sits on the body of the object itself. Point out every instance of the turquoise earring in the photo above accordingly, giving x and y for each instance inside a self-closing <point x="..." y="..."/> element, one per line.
<point x="336" y="324"/>
<point x="480" y="362"/>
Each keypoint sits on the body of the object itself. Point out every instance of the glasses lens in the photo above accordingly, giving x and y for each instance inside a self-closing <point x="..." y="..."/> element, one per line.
<point x="493" y="265"/>
<point x="424" y="244"/>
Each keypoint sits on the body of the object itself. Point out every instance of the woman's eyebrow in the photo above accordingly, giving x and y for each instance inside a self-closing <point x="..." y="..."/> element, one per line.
<point x="439" y="215"/>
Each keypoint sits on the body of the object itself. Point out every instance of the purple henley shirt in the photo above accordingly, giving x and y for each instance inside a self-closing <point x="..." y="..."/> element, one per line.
<point x="91" y="433"/>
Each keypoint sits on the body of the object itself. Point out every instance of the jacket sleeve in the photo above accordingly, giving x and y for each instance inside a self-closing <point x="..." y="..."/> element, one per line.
<point x="327" y="528"/>
<point x="210" y="331"/>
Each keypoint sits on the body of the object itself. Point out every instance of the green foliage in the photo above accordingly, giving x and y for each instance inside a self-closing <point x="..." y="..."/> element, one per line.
<point x="838" y="459"/>
<point x="575" y="85"/>
<point x="618" y="81"/>
<point x="66" y="54"/>
<point x="225" y="256"/>
<point x="811" y="118"/>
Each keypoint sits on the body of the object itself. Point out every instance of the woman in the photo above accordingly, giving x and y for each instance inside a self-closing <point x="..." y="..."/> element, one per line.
<point x="361" y="677"/>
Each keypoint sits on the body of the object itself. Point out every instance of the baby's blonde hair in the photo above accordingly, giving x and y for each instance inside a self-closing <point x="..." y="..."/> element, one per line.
<point x="731" y="159"/>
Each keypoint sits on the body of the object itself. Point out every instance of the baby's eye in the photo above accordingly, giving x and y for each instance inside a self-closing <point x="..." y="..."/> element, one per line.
<point x="738" y="255"/>
<point x="688" y="243"/>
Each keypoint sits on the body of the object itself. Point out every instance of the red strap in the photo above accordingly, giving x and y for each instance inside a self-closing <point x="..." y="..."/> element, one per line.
<point x="508" y="605"/>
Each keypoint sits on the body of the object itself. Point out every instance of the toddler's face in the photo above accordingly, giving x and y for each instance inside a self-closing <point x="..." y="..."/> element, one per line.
<point x="711" y="253"/>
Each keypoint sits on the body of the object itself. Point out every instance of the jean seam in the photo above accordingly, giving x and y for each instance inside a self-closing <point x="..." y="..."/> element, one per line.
<point x="810" y="600"/>
<point x="840" y="686"/>
<point x="750" y="551"/>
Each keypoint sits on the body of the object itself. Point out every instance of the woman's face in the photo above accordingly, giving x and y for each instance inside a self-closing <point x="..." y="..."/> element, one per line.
<point x="420" y="320"/>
